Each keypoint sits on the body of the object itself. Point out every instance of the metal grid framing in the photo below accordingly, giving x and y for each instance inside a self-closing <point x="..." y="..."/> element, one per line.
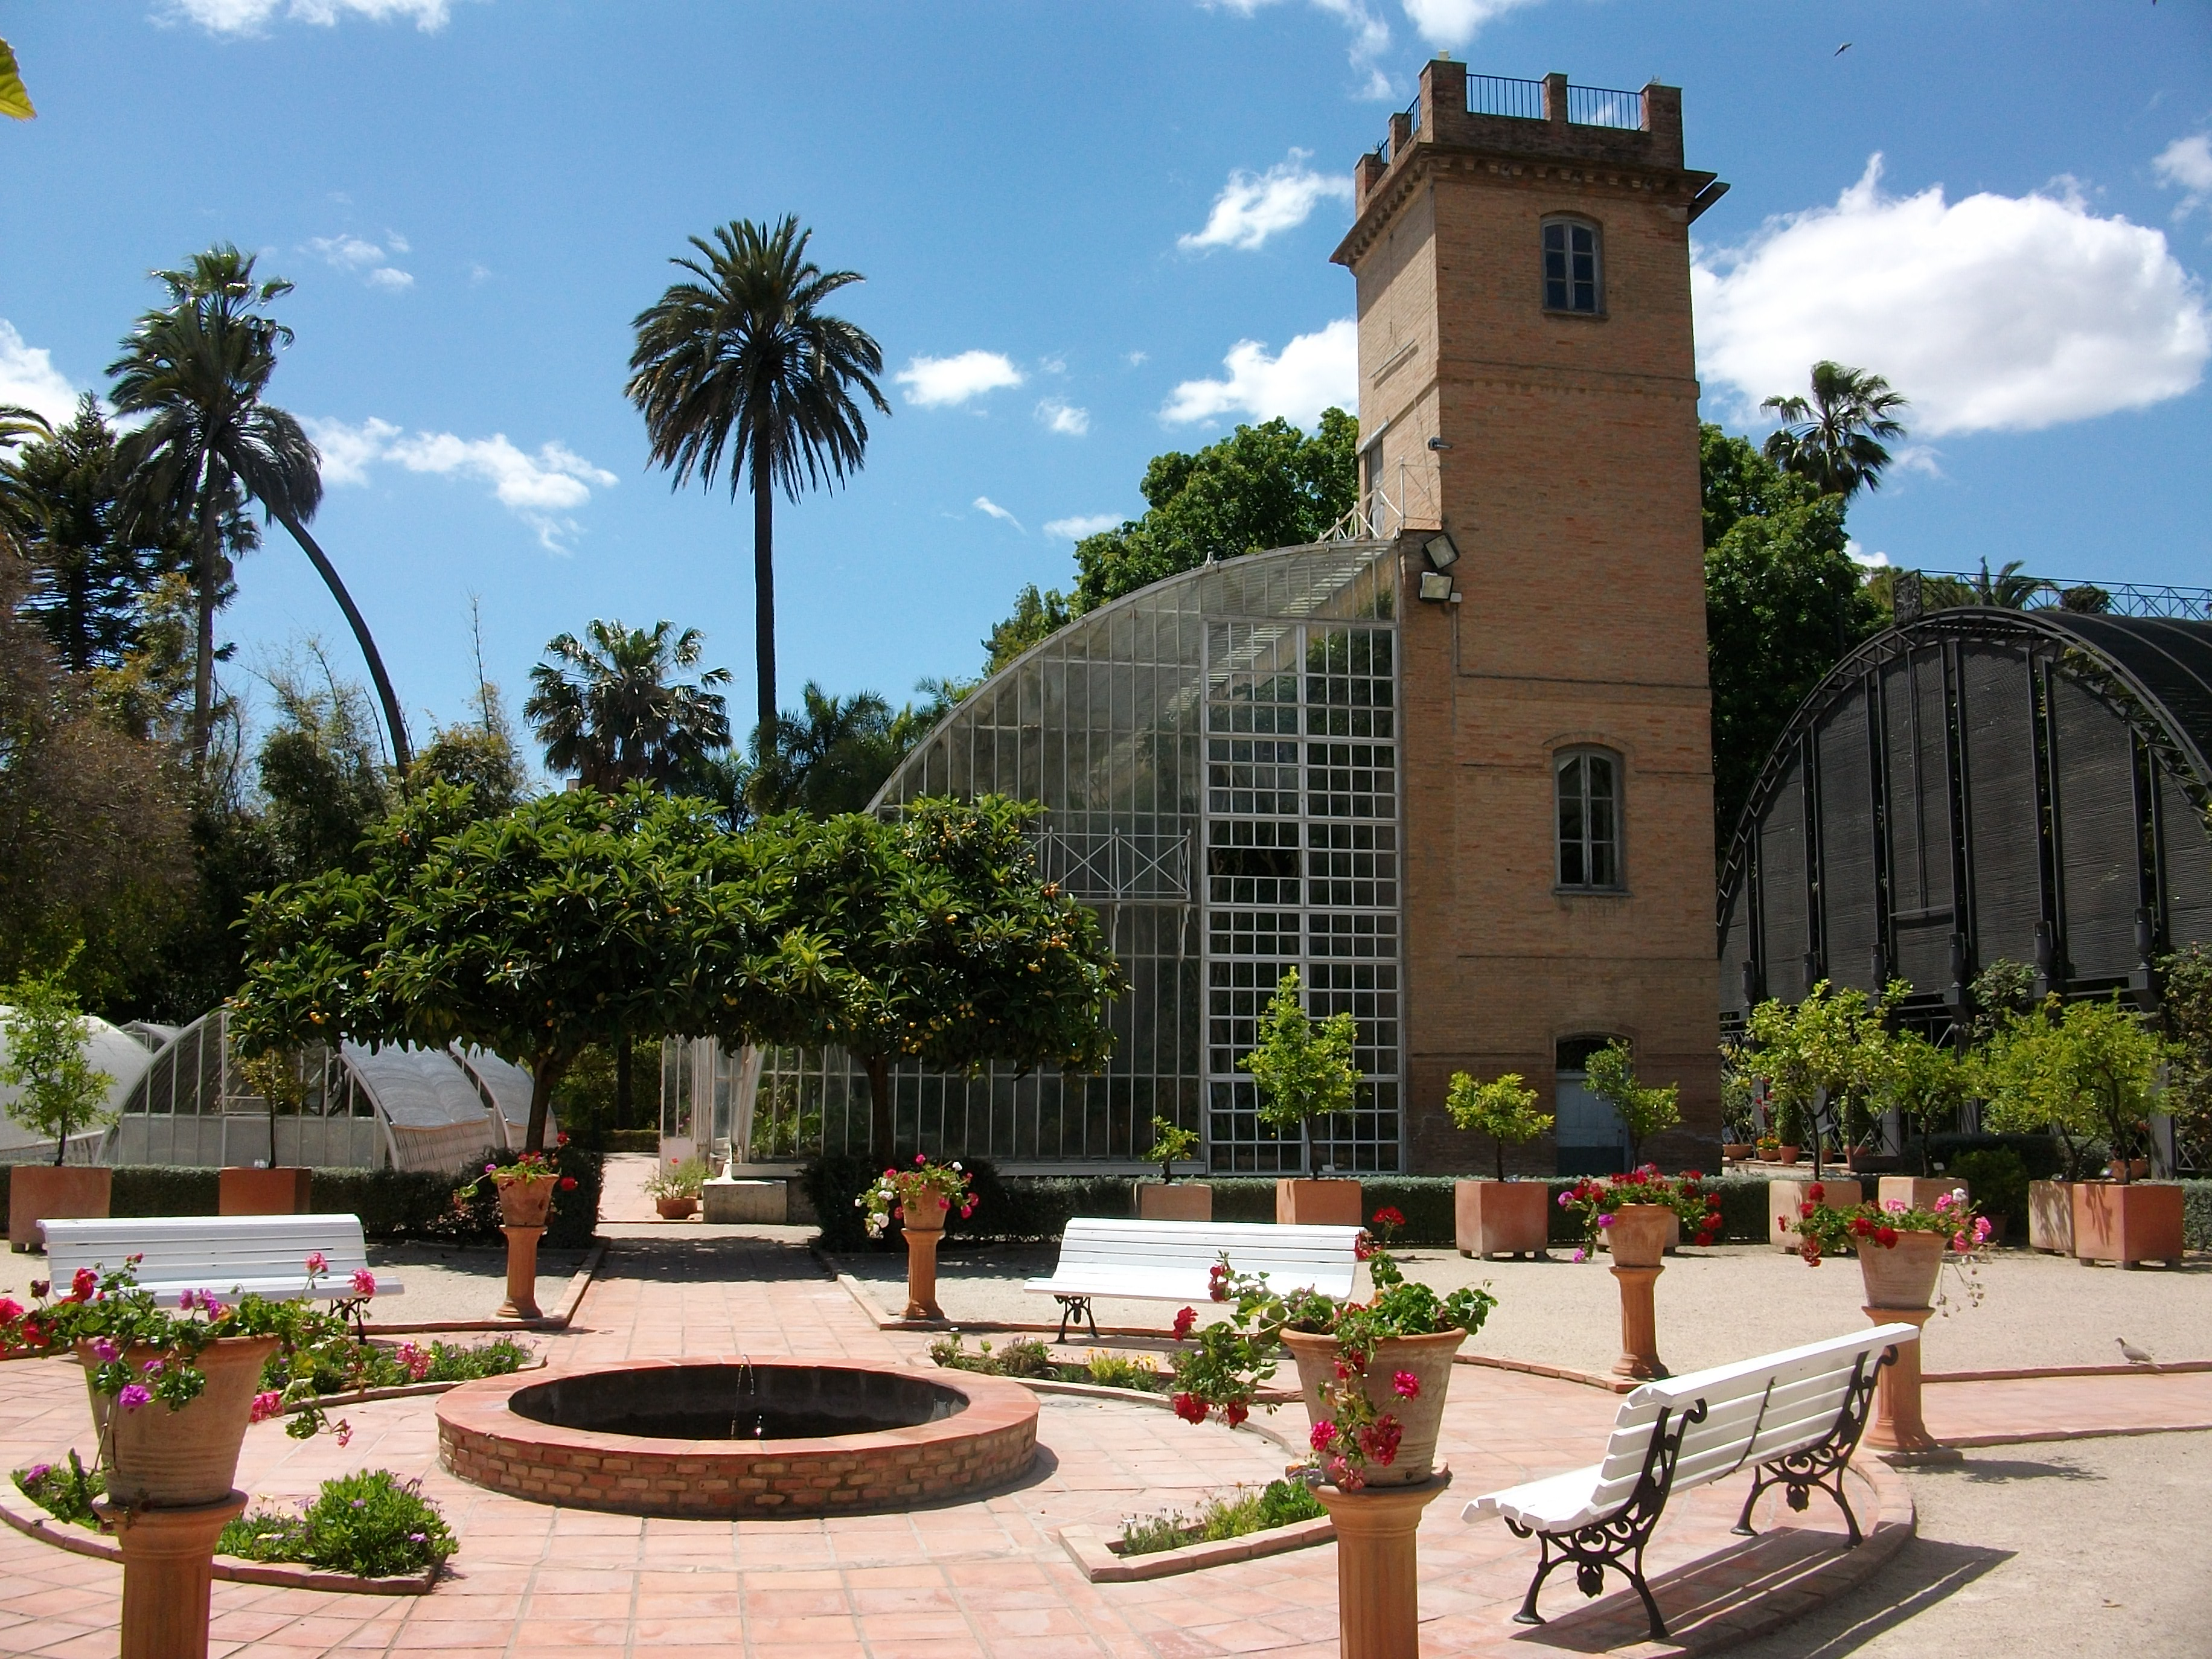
<point x="1106" y="725"/>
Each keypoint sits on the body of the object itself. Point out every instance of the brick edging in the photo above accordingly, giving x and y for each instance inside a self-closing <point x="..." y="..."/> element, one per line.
<point x="1102" y="1564"/>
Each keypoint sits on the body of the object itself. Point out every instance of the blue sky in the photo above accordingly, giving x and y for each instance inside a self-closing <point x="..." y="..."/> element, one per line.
<point x="1069" y="217"/>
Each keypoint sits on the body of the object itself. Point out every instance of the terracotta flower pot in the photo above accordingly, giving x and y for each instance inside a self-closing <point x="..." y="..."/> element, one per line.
<point x="1501" y="1217"/>
<point x="2051" y="1216"/>
<point x="1428" y="1358"/>
<point x="1180" y="1200"/>
<point x="524" y="1203"/>
<point x="675" y="1209"/>
<point x="1639" y="1234"/>
<point x="1917" y="1192"/>
<point x="157" y="1458"/>
<point x="1318" y="1203"/>
<point x="2127" y="1222"/>
<point x="1903" y="1274"/>
<point x="923" y="1221"/>
<point x="53" y="1191"/>
<point x="281" y="1191"/>
<point x="1787" y="1154"/>
<point x="1736" y="1152"/>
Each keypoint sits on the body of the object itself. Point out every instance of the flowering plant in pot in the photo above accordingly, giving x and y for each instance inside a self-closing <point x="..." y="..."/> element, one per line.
<point x="1375" y="1373"/>
<point x="1902" y="1251"/>
<point x="1597" y="1201"/>
<point x="675" y="1188"/>
<point x="926" y="1190"/>
<point x="526" y="1182"/>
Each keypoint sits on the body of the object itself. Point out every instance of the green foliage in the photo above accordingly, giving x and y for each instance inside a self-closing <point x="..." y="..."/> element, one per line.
<point x="2003" y="988"/>
<point x="1502" y="1109"/>
<point x="1233" y="1515"/>
<point x="2185" y="1011"/>
<point x="2084" y="1069"/>
<point x="1171" y="1145"/>
<point x="1038" y="615"/>
<point x="371" y="1524"/>
<point x="47" y="1043"/>
<point x="64" y="1490"/>
<point x="1925" y="1083"/>
<point x="609" y="709"/>
<point x="1610" y="1074"/>
<point x="1302" y="1068"/>
<point x="480" y="754"/>
<point x="1996" y="1178"/>
<point x="1262" y="487"/>
<point x="14" y="101"/>
<point x="831" y="755"/>
<point x="1024" y="1356"/>
<point x="683" y="1177"/>
<point x="1833" y="1047"/>
<point x="1834" y="439"/>
<point x="321" y="779"/>
<point x="1119" y="1370"/>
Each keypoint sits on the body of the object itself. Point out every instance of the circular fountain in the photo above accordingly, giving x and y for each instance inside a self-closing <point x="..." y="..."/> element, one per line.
<point x="729" y="1436"/>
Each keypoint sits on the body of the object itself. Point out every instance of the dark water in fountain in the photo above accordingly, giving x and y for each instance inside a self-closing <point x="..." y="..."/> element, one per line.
<point x="737" y="1402"/>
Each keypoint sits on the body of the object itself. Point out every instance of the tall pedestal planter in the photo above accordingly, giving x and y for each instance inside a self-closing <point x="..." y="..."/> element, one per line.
<point x="1378" y="1612"/>
<point x="522" y="1209"/>
<point x="2051" y="1216"/>
<point x="283" y="1191"/>
<point x="923" y="1223"/>
<point x="1180" y="1201"/>
<point x="1428" y="1358"/>
<point x="1318" y="1203"/>
<point x="157" y="1458"/>
<point x="1638" y="1239"/>
<point x="1917" y="1192"/>
<point x="1501" y="1217"/>
<point x="2127" y="1223"/>
<point x="1900" y="1288"/>
<point x="1788" y="1198"/>
<point x="53" y="1191"/>
<point x="168" y="1569"/>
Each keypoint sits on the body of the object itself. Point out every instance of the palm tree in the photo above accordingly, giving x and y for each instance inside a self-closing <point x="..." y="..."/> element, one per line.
<point x="2011" y="588"/>
<point x="1837" y="439"/>
<point x="742" y="364"/>
<point x="197" y="369"/>
<point x="607" y="708"/>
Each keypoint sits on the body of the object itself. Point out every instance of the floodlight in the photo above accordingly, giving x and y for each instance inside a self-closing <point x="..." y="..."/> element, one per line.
<point x="1443" y="552"/>
<point x="1435" y="585"/>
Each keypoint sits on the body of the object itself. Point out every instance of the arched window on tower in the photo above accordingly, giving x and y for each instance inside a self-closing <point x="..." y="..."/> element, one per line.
<point x="1586" y="786"/>
<point x="1573" y="267"/>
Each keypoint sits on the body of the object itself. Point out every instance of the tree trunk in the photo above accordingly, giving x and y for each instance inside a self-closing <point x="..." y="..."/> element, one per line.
<point x="624" y="1116"/>
<point x="546" y="1071"/>
<point x="205" y="580"/>
<point x="765" y="594"/>
<point x="879" y="1104"/>
<point x="396" y="723"/>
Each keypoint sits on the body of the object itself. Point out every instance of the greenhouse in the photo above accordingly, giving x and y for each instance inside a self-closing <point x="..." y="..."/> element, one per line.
<point x="1216" y="758"/>
<point x="117" y="1051"/>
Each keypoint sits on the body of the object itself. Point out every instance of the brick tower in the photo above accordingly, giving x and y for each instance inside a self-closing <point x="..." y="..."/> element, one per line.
<point x="1527" y="385"/>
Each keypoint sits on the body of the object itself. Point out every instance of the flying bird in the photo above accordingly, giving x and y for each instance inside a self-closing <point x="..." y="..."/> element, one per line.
<point x="2134" y="1355"/>
<point x="1841" y="49"/>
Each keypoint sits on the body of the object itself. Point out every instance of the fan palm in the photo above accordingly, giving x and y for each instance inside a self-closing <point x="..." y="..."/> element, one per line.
<point x="741" y="364"/>
<point x="1837" y="439"/>
<point x="2011" y="588"/>
<point x="197" y="369"/>
<point x="607" y="708"/>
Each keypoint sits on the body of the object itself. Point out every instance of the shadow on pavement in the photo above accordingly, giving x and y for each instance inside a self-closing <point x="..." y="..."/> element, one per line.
<point x="1924" y="1573"/>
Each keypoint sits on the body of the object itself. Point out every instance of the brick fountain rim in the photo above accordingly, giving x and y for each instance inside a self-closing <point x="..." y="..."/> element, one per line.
<point x="987" y="1443"/>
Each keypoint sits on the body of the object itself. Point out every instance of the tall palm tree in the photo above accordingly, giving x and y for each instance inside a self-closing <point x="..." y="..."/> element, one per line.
<point x="742" y="364"/>
<point x="197" y="369"/>
<point x="608" y="709"/>
<point x="1837" y="439"/>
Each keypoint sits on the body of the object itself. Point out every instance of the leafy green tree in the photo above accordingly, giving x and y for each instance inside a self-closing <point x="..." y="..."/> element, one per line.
<point x="1925" y="1084"/>
<point x="1039" y="613"/>
<point x="1784" y="603"/>
<point x="2010" y="589"/>
<point x="195" y="371"/>
<point x="1171" y="1144"/>
<point x="1831" y="1050"/>
<point x="609" y="708"/>
<point x="45" y="1058"/>
<point x="1502" y="1109"/>
<point x="479" y="753"/>
<point x="1301" y="1067"/>
<point x="742" y="363"/>
<point x="831" y="755"/>
<point x="1262" y="487"/>
<point x="943" y="944"/>
<point x="1837" y="439"/>
<point x="322" y="782"/>
<point x="1645" y="1109"/>
<point x="2082" y="1070"/>
<point x="2185" y="1010"/>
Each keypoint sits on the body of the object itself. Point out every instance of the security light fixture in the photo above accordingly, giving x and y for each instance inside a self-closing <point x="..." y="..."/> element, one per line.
<point x="1436" y="587"/>
<point x="1438" y="443"/>
<point x="1443" y="552"/>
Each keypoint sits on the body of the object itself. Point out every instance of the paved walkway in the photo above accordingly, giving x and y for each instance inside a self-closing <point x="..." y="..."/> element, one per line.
<point x="969" y="1579"/>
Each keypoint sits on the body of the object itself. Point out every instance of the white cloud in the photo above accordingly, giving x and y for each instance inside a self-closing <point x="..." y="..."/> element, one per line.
<point x="1453" y="23"/>
<point x="1992" y="312"/>
<point x="2186" y="164"/>
<point x="1254" y="206"/>
<point x="1860" y="557"/>
<point x="386" y="276"/>
<point x="349" y="253"/>
<point x="935" y="382"/>
<point x="29" y="379"/>
<point x="250" y="16"/>
<point x="1064" y="418"/>
<point x="541" y="490"/>
<point x="1313" y="372"/>
<point x="397" y="243"/>
<point x="984" y="504"/>
<point x="1370" y="35"/>
<point x="1082" y="525"/>
<point x="1135" y="359"/>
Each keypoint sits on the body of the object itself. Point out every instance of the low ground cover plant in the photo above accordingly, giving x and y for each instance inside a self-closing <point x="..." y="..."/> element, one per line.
<point x="1232" y="1515"/>
<point x="349" y="1366"/>
<point x="64" y="1490"/>
<point x="1025" y="1356"/>
<point x="372" y="1525"/>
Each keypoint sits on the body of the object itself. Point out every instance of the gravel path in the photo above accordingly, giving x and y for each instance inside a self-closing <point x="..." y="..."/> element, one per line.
<point x="1714" y="1305"/>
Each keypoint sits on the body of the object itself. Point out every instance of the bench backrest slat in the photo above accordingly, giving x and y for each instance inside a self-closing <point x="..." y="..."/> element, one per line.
<point x="208" y="1252"/>
<point x="1324" y="1256"/>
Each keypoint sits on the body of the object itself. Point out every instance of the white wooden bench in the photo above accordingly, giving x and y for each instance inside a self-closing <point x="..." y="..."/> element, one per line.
<point x="1795" y="1418"/>
<point x="228" y="1255"/>
<point x="1173" y="1261"/>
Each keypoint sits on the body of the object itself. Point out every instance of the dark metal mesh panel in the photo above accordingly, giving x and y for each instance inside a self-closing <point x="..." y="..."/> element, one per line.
<point x="1999" y="723"/>
<point x="1782" y="887"/>
<point x="2098" y="855"/>
<point x="2186" y="850"/>
<point x="1848" y="896"/>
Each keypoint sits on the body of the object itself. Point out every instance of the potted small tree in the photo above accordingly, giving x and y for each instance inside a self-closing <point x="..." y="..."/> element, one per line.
<point x="1644" y="1111"/>
<point x="675" y="1187"/>
<point x="1925" y="1084"/>
<point x="1813" y="1055"/>
<point x="1171" y="1199"/>
<point x="917" y="1196"/>
<point x="1738" y="1108"/>
<point x="58" y="1093"/>
<point x="1303" y="1069"/>
<point x="1500" y="1217"/>
<point x="271" y="1189"/>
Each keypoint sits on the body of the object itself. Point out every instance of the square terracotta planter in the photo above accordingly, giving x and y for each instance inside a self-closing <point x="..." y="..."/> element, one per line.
<point x="1318" y="1204"/>
<point x="1182" y="1200"/>
<point x="2128" y="1223"/>
<point x="264" y="1192"/>
<point x="54" y="1192"/>
<point x="1785" y="1197"/>
<point x="2051" y="1216"/>
<point x="1918" y="1192"/>
<point x="1501" y="1217"/>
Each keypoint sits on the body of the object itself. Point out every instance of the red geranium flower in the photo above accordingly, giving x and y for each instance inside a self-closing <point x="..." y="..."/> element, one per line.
<point x="1234" y="1413"/>
<point x="567" y="1183"/>
<point x="1817" y="1193"/>
<point x="1886" y="1236"/>
<point x="1184" y="1321"/>
<point x="1190" y="1408"/>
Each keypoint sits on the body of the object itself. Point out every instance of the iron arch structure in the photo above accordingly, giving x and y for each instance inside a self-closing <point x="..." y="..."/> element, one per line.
<point x="1980" y="785"/>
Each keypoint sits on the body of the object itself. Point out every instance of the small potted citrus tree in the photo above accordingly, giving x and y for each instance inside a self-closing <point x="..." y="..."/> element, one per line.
<point x="917" y="1197"/>
<point x="1499" y="1217"/>
<point x="58" y="1093"/>
<point x="1302" y="1068"/>
<point x="1169" y="1200"/>
<point x="1643" y="1110"/>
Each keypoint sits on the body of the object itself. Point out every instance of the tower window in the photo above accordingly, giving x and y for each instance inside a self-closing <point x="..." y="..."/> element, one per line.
<point x="1570" y="266"/>
<point x="1586" y="785"/>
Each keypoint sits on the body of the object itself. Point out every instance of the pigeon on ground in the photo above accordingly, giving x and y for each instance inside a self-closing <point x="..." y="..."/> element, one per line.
<point x="2134" y="1355"/>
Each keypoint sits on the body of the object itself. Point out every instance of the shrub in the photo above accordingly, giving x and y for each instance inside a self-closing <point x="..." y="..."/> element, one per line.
<point x="371" y="1524"/>
<point x="1244" y="1511"/>
<point x="1116" y="1370"/>
<point x="1996" y="1178"/>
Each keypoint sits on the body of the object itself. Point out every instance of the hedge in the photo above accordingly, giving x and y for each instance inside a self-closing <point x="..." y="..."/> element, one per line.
<point x="399" y="1204"/>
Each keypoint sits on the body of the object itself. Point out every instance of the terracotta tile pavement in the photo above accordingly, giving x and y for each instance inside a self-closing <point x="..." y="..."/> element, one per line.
<point x="976" y="1578"/>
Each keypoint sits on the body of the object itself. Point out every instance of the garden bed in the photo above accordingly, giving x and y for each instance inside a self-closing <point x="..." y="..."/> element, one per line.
<point x="1282" y="1515"/>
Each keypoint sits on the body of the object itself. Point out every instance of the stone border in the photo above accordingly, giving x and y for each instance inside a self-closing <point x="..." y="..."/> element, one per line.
<point x="2033" y="1373"/>
<point x="571" y="1300"/>
<point x="1102" y="1564"/>
<point x="26" y="1518"/>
